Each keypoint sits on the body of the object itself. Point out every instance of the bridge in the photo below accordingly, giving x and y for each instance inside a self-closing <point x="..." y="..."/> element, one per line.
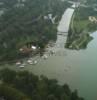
<point x="63" y="34"/>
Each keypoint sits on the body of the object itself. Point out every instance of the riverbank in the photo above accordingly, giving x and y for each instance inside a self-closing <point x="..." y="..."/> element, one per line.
<point x="80" y="28"/>
<point x="21" y="25"/>
<point x="62" y="28"/>
<point x="57" y="48"/>
<point x="24" y="85"/>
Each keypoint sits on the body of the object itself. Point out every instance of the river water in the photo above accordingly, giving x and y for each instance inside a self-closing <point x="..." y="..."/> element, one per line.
<point x="1" y="12"/>
<point x="76" y="68"/>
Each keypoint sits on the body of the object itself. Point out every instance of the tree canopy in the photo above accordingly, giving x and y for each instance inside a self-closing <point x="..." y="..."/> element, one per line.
<point x="35" y="88"/>
<point x="24" y="22"/>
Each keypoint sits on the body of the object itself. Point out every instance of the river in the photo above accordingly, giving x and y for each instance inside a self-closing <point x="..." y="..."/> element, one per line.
<point x="1" y="12"/>
<point x="77" y="68"/>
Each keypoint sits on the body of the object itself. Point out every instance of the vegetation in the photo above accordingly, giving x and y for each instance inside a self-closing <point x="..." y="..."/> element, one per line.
<point x="23" y="22"/>
<point x="35" y="88"/>
<point x="9" y="93"/>
<point x="6" y="4"/>
<point x="91" y="2"/>
<point x="80" y="28"/>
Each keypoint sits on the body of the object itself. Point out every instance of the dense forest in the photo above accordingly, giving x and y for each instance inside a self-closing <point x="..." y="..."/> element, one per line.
<point x="23" y="85"/>
<point x="7" y="3"/>
<point x="91" y="2"/>
<point x="25" y="21"/>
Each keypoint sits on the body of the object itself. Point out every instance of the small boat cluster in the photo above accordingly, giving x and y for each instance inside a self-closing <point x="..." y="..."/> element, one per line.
<point x="21" y="64"/>
<point x="32" y="61"/>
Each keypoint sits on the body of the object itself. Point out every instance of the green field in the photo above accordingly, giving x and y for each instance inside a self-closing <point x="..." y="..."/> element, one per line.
<point x="80" y="29"/>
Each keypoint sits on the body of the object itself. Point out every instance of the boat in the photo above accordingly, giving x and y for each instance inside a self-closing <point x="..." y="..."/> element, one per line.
<point x="35" y="62"/>
<point x="29" y="61"/>
<point x="45" y="57"/>
<point x="52" y="52"/>
<point x="18" y="63"/>
<point x="22" y="66"/>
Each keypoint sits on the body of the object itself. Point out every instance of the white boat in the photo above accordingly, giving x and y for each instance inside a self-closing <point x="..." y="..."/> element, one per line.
<point x="52" y="52"/>
<point x="21" y="66"/>
<point x="45" y="57"/>
<point x="35" y="62"/>
<point x="29" y="61"/>
<point x="18" y="63"/>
